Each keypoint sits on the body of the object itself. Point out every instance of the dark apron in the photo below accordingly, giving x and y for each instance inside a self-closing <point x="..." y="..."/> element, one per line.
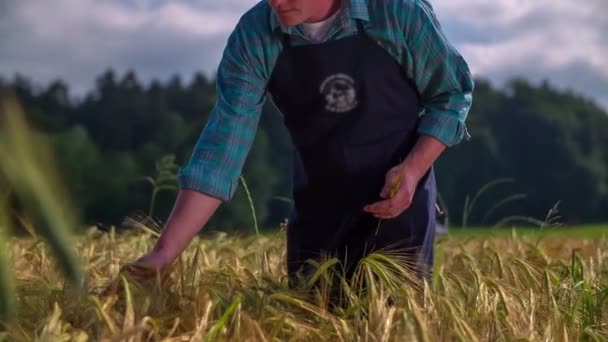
<point x="352" y="114"/>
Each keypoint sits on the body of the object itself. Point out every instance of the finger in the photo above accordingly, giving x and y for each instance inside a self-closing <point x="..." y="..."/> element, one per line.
<point x="375" y="208"/>
<point x="388" y="208"/>
<point x="386" y="217"/>
<point x="382" y="207"/>
<point x="140" y="270"/>
<point x="389" y="214"/>
<point x="136" y="273"/>
<point x="137" y="276"/>
<point x="396" y="201"/>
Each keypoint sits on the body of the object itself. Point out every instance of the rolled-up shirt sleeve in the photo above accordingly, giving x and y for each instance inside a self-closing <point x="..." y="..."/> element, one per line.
<point x="441" y="75"/>
<point x="218" y="157"/>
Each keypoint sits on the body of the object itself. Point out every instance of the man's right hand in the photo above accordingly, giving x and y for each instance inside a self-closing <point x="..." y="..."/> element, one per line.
<point x="190" y="213"/>
<point x="149" y="265"/>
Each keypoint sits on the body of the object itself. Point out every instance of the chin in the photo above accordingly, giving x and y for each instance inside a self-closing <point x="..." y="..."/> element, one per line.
<point x="290" y="20"/>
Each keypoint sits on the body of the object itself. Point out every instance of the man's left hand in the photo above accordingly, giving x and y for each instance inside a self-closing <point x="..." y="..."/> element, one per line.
<point x="398" y="191"/>
<point x="401" y="181"/>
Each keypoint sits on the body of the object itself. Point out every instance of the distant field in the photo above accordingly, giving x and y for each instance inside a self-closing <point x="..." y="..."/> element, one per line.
<point x="583" y="231"/>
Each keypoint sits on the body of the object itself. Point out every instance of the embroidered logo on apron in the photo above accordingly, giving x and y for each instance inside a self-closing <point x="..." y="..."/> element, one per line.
<point x="339" y="92"/>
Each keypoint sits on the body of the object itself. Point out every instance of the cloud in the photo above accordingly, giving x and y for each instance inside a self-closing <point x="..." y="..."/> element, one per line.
<point x="89" y="36"/>
<point x="560" y="40"/>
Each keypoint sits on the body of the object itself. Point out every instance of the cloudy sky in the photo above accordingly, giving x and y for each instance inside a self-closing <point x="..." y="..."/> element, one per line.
<point x="564" y="41"/>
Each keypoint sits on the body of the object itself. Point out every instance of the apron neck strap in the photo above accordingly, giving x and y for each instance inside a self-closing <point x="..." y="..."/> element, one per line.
<point x="286" y="41"/>
<point x="360" y="27"/>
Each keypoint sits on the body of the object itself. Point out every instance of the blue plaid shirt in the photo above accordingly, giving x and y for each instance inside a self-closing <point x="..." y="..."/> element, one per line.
<point x="407" y="29"/>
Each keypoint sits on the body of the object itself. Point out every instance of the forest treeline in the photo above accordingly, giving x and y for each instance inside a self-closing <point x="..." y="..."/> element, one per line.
<point x="532" y="146"/>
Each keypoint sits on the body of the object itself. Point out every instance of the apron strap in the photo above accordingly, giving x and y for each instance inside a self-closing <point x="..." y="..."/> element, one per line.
<point x="286" y="41"/>
<point x="360" y="27"/>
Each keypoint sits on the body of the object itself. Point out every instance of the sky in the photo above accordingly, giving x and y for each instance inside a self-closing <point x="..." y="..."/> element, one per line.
<point x="562" y="41"/>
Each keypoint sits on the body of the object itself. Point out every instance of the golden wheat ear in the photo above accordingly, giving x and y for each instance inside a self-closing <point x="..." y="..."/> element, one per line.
<point x="396" y="183"/>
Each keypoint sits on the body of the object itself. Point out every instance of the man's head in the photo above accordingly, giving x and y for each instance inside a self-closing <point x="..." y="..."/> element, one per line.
<point x="295" y="12"/>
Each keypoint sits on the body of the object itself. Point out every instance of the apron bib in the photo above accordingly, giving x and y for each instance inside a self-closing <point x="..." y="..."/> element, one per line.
<point x="352" y="114"/>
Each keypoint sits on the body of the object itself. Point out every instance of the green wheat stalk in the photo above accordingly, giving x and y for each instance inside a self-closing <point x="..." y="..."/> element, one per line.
<point x="26" y="163"/>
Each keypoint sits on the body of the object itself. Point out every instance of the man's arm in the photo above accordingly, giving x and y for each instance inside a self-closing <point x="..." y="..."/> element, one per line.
<point x="422" y="157"/>
<point x="441" y="75"/>
<point x="211" y="176"/>
<point x="191" y="212"/>
<point x="445" y="84"/>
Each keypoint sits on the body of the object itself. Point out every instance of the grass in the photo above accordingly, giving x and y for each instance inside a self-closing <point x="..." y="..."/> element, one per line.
<point x="29" y="174"/>
<point x="503" y="287"/>
<point x="582" y="231"/>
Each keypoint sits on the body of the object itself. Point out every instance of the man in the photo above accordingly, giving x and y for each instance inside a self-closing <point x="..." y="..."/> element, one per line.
<point x="371" y="92"/>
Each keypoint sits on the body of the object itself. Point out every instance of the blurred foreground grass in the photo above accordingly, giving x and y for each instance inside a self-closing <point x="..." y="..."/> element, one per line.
<point x="29" y="175"/>
<point x="507" y="287"/>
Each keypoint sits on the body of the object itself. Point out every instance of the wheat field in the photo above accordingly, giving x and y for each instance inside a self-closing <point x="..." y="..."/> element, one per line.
<point x="486" y="287"/>
<point x="234" y="288"/>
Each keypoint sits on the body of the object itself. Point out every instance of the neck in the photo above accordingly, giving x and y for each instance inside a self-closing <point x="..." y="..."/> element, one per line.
<point x="326" y="10"/>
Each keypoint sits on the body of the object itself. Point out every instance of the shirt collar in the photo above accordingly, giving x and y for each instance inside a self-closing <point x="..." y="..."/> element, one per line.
<point x="351" y="10"/>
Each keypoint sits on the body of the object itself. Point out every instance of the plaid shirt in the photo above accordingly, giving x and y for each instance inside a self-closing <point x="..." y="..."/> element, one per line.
<point x="407" y="29"/>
